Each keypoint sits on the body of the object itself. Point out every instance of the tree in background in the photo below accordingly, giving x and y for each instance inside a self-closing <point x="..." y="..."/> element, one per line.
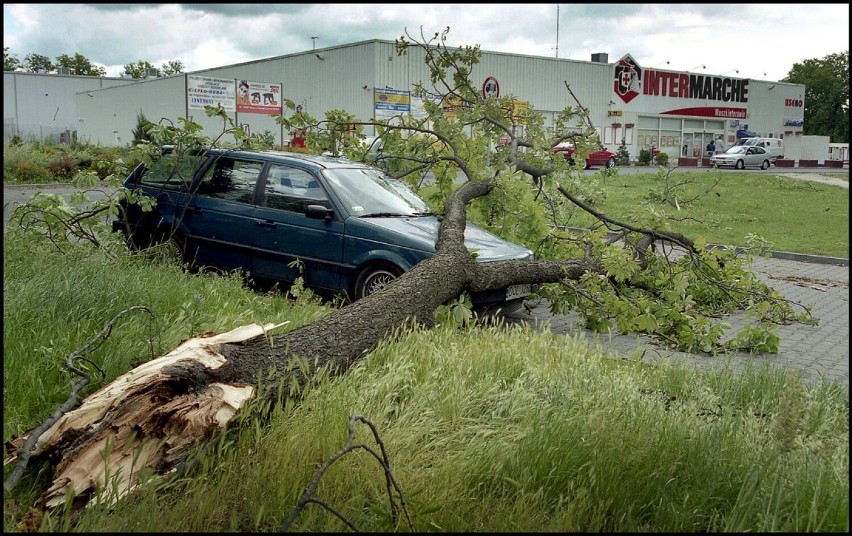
<point x="35" y="63"/>
<point x="826" y="84"/>
<point x="140" y="69"/>
<point x="79" y="65"/>
<point x="171" y="67"/>
<point x="10" y="61"/>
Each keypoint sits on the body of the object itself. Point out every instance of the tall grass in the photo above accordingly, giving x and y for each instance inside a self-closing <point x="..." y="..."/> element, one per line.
<point x="54" y="304"/>
<point x="495" y="428"/>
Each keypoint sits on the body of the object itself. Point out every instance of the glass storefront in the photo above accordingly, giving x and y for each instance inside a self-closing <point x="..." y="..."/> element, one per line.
<point x="678" y="137"/>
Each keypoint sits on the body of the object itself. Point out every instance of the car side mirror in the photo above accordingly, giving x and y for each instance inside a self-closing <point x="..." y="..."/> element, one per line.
<point x="318" y="212"/>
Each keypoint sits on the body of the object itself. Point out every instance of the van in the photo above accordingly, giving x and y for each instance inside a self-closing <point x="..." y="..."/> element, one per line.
<point x="773" y="146"/>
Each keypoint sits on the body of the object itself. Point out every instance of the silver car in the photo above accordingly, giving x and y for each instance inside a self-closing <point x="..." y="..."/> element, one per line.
<point x="741" y="156"/>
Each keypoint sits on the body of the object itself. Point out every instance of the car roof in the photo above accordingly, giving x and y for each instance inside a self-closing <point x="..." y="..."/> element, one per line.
<point x="285" y="157"/>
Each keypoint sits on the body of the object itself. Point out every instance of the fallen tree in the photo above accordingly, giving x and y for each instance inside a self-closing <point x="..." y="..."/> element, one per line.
<point x="150" y="419"/>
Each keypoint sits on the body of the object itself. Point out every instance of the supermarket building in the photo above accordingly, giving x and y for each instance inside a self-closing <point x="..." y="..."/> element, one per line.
<point x="677" y="112"/>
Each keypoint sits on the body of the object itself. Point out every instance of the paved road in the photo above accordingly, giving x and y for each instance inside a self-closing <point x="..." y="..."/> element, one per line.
<point x="815" y="352"/>
<point x="17" y="194"/>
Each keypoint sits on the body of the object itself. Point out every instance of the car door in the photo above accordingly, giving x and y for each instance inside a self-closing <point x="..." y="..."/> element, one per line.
<point x="168" y="181"/>
<point x="285" y="233"/>
<point x="755" y="156"/>
<point x="219" y="220"/>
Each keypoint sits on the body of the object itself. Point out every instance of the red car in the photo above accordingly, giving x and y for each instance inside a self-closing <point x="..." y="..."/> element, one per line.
<point x="602" y="157"/>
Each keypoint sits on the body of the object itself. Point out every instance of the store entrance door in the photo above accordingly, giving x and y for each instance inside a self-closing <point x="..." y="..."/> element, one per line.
<point x="695" y="144"/>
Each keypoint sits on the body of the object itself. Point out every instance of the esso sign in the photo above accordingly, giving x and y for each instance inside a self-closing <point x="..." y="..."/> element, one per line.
<point x="794" y="103"/>
<point x="490" y="88"/>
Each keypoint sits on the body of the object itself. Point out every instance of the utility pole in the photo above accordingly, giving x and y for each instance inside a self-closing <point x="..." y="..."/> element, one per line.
<point x="557" y="30"/>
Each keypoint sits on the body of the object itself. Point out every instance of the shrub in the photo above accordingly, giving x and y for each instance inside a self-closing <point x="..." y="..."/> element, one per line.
<point x="83" y="157"/>
<point x="26" y="172"/>
<point x="662" y="159"/>
<point x="24" y="163"/>
<point x="63" y="166"/>
<point x="623" y="154"/>
<point x="104" y="158"/>
<point x="644" y="157"/>
<point x="142" y="131"/>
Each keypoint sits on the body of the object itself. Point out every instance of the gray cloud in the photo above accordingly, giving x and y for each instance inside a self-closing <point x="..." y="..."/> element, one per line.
<point x="210" y="35"/>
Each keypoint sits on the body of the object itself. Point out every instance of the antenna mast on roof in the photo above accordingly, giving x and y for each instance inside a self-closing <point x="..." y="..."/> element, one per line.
<point x="557" y="30"/>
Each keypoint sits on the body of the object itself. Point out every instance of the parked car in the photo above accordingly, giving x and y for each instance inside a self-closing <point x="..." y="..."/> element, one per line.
<point x="601" y="157"/>
<point x="353" y="227"/>
<point x="742" y="156"/>
<point x="773" y="146"/>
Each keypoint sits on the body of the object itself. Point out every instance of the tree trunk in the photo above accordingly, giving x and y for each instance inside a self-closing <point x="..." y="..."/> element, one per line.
<point x="152" y="416"/>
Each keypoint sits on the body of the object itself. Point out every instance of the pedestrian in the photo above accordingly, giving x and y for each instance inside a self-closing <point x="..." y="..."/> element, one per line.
<point x="720" y="145"/>
<point x="711" y="148"/>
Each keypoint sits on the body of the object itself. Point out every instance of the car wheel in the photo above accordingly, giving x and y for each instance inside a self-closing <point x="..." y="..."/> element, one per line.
<point x="586" y="164"/>
<point x="740" y="164"/>
<point x="374" y="278"/>
<point x="167" y="246"/>
<point x="178" y="246"/>
<point x="765" y="164"/>
<point x="610" y="163"/>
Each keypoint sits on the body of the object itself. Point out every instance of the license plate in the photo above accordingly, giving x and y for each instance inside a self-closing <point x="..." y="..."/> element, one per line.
<point x="518" y="291"/>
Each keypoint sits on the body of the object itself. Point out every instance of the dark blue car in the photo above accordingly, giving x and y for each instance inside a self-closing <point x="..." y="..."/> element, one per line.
<point x="352" y="227"/>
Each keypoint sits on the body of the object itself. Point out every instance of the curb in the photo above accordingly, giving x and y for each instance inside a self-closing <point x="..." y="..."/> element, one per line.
<point x="798" y="257"/>
<point x="784" y="255"/>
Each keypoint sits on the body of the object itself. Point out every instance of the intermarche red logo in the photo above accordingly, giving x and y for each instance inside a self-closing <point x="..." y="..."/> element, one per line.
<point x="627" y="82"/>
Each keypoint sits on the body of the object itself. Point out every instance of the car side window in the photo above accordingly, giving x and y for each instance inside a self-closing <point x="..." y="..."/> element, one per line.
<point x="231" y="179"/>
<point x="171" y="171"/>
<point x="292" y="189"/>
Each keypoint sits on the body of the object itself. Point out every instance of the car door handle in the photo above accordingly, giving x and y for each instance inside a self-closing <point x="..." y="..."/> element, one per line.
<point x="266" y="223"/>
<point x="194" y="210"/>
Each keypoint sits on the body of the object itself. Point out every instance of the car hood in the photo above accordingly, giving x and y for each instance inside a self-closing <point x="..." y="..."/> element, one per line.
<point x="421" y="232"/>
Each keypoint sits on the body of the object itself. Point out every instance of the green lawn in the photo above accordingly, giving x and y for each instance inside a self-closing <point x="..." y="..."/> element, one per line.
<point x="492" y="428"/>
<point x="795" y="215"/>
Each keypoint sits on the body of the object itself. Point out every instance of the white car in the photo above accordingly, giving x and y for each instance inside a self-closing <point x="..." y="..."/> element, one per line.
<point x="773" y="146"/>
<point x="741" y="156"/>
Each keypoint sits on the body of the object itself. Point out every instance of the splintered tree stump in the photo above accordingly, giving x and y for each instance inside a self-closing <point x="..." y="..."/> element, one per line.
<point x="143" y="421"/>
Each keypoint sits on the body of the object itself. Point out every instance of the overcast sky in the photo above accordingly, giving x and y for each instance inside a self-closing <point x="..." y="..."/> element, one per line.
<point x="760" y="41"/>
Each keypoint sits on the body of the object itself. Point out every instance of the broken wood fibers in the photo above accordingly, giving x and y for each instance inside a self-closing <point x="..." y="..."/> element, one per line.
<point x="143" y="422"/>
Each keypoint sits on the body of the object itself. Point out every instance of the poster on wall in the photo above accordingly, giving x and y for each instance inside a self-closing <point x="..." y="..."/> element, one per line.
<point x="201" y="92"/>
<point x="259" y="98"/>
<point x="391" y="102"/>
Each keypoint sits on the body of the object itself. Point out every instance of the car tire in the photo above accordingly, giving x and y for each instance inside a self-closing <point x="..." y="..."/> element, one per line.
<point x="166" y="245"/>
<point x="176" y="246"/>
<point x="586" y="164"/>
<point x="610" y="163"/>
<point x="765" y="164"/>
<point x="374" y="278"/>
<point x="740" y="164"/>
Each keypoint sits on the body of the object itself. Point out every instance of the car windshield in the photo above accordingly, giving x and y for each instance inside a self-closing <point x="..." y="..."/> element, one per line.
<point x="738" y="149"/>
<point x="368" y="192"/>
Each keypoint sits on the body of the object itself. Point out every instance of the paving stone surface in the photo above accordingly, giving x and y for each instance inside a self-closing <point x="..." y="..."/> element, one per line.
<point x="815" y="352"/>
